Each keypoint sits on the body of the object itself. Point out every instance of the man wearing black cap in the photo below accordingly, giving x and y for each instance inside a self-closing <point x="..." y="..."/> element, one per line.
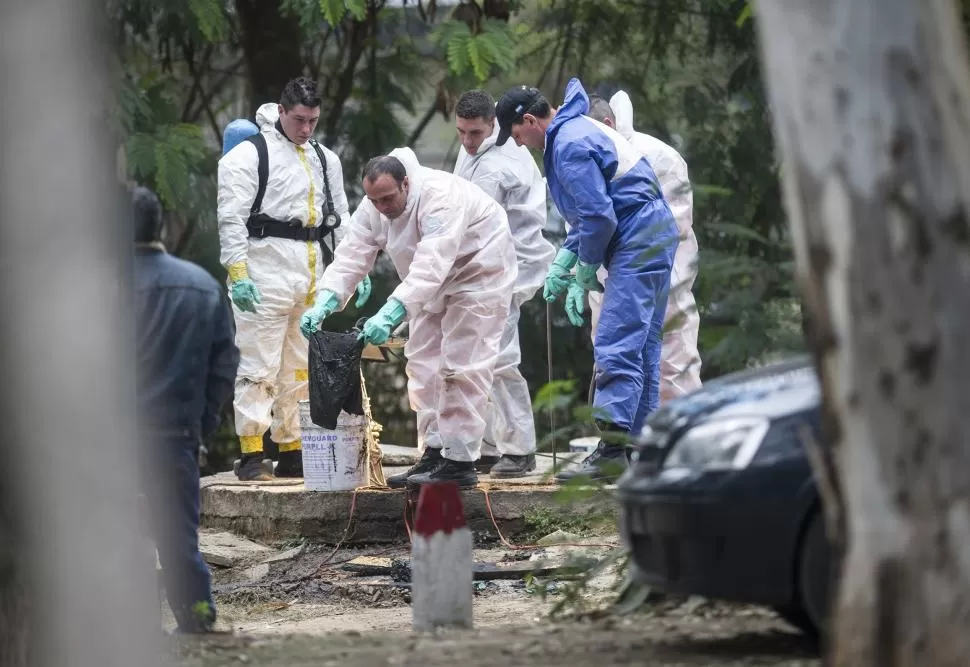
<point x="618" y="219"/>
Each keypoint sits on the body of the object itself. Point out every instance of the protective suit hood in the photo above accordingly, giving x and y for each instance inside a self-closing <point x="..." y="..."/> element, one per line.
<point x="267" y="114"/>
<point x="510" y="176"/>
<point x="415" y="175"/>
<point x="623" y="110"/>
<point x="575" y="103"/>
<point x="464" y="156"/>
<point x="408" y="159"/>
<point x="489" y="140"/>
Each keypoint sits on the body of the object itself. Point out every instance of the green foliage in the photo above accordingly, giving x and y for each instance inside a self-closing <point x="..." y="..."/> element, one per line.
<point x="210" y="18"/>
<point x="168" y="155"/>
<point x="488" y="52"/>
<point x="573" y="587"/>
<point x="745" y="14"/>
<point x="333" y="11"/>
<point x="161" y="24"/>
<point x="542" y="521"/>
<point x="555" y="395"/>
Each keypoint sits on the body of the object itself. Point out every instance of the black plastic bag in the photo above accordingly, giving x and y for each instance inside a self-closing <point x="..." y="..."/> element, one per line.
<point x="335" y="377"/>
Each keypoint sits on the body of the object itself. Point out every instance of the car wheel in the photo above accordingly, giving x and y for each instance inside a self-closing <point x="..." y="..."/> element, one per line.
<point x="813" y="577"/>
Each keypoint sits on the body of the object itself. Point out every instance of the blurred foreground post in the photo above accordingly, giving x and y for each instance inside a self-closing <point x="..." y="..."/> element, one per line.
<point x="69" y="518"/>
<point x="441" y="560"/>
<point x="871" y="104"/>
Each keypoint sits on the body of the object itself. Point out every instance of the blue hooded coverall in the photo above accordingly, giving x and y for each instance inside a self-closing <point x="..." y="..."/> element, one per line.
<point x="611" y="199"/>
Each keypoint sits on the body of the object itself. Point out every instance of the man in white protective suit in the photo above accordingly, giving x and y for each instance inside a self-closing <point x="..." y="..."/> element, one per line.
<point x="680" y="362"/>
<point x="281" y="199"/>
<point x="451" y="246"/>
<point x="510" y="176"/>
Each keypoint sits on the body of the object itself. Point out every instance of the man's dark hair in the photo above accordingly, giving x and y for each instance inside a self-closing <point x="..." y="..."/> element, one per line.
<point x="146" y="213"/>
<point x="385" y="164"/>
<point x="475" y="104"/>
<point x="301" y="90"/>
<point x="540" y="108"/>
<point x="600" y="109"/>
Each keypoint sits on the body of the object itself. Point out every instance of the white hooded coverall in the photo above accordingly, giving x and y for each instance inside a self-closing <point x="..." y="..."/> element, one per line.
<point x="680" y="362"/>
<point x="454" y="254"/>
<point x="510" y="176"/>
<point x="272" y="375"/>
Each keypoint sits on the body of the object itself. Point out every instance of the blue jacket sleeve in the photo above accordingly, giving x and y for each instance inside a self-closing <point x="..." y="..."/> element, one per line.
<point x="581" y="178"/>
<point x="223" y="362"/>
<point x="572" y="239"/>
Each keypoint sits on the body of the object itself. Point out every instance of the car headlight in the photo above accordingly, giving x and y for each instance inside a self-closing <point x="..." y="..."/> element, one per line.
<point x="720" y="444"/>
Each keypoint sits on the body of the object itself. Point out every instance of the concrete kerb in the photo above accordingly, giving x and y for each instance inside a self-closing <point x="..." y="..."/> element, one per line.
<point x="271" y="512"/>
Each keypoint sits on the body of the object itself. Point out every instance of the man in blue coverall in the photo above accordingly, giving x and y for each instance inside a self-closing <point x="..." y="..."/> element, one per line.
<point x="186" y="365"/>
<point x="611" y="199"/>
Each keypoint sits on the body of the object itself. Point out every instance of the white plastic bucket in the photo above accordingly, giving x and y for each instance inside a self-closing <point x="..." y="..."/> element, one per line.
<point x="584" y="445"/>
<point x="333" y="460"/>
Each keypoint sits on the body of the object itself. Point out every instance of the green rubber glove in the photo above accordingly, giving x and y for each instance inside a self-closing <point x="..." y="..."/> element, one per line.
<point x="557" y="277"/>
<point x="323" y="308"/>
<point x="363" y="292"/>
<point x="377" y="329"/>
<point x="575" y="303"/>
<point x="245" y="295"/>
<point x="586" y="276"/>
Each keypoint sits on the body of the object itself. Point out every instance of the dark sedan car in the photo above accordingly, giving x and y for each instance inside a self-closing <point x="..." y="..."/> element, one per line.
<point x="720" y="500"/>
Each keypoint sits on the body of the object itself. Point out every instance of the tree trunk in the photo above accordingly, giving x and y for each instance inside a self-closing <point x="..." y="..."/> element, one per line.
<point x="871" y="103"/>
<point x="14" y="638"/>
<point x="72" y="549"/>
<point x="272" y="45"/>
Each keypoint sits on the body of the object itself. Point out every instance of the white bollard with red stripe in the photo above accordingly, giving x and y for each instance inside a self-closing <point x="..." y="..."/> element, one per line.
<point x="441" y="560"/>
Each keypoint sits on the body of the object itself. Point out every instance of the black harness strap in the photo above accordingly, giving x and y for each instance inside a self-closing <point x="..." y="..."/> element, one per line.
<point x="262" y="226"/>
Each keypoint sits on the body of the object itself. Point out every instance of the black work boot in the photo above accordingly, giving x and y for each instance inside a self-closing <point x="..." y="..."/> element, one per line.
<point x="253" y="468"/>
<point x="484" y="463"/>
<point x="427" y="462"/>
<point x="511" y="465"/>
<point x="290" y="464"/>
<point x="605" y="463"/>
<point x="461" y="472"/>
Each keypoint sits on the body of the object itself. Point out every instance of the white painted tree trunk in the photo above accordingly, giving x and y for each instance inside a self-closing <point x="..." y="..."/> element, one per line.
<point x="871" y="104"/>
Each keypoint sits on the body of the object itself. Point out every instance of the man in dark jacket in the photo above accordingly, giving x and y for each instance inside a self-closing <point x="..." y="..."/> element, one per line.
<point x="186" y="366"/>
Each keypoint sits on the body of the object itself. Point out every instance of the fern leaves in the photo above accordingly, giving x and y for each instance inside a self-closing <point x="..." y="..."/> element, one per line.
<point x="490" y="51"/>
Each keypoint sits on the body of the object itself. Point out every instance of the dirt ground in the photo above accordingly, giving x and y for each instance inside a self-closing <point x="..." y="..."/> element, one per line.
<point x="307" y="610"/>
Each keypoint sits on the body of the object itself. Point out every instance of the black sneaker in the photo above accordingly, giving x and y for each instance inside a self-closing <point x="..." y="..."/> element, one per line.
<point x="461" y="472"/>
<point x="510" y="465"/>
<point x="605" y="463"/>
<point x="428" y="461"/>
<point x="253" y="468"/>
<point x="290" y="465"/>
<point x="484" y="463"/>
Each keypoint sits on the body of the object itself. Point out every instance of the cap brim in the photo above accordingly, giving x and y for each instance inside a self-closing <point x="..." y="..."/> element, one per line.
<point x="503" y="136"/>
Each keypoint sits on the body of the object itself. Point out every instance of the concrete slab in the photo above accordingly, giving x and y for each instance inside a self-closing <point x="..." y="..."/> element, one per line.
<point x="226" y="550"/>
<point x="396" y="455"/>
<point x="284" y="509"/>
